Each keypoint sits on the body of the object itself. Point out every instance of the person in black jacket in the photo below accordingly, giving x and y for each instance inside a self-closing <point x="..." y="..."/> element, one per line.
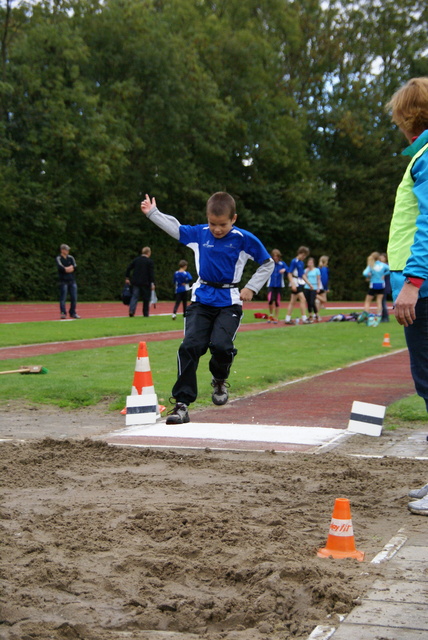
<point x="142" y="281"/>
<point x="67" y="266"/>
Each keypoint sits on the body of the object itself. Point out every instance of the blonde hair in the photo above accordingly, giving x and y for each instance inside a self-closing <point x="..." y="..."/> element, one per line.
<point x="409" y="106"/>
<point x="372" y="258"/>
<point x="323" y="261"/>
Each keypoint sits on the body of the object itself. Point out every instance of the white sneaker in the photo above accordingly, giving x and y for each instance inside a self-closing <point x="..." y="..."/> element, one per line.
<point x="420" y="507"/>
<point x="174" y="315"/>
<point x="419" y="493"/>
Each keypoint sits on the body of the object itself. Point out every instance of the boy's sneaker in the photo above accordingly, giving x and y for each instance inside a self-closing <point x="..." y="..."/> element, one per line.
<point x="178" y="415"/>
<point x="420" y="507"/>
<point x="362" y="317"/>
<point x="174" y="315"/>
<point x="417" y="494"/>
<point x="220" y="395"/>
<point x="289" y="321"/>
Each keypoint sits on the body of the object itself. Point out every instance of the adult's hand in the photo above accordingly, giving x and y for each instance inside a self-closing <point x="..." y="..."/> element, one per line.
<point x="405" y="304"/>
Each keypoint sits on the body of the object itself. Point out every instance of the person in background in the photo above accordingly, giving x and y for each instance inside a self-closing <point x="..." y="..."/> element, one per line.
<point x="375" y="273"/>
<point x="67" y="266"/>
<point x="213" y="318"/>
<point x="275" y="285"/>
<point x="182" y="279"/>
<point x="142" y="281"/>
<point x="310" y="290"/>
<point x="387" y="291"/>
<point x="297" y="279"/>
<point x="408" y="240"/>
<point x="321" y="298"/>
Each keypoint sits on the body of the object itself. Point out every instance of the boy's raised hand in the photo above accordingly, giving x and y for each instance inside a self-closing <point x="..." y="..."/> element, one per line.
<point x="147" y="204"/>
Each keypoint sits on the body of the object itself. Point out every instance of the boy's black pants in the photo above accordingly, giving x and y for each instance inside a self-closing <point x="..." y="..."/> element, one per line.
<point x="206" y="327"/>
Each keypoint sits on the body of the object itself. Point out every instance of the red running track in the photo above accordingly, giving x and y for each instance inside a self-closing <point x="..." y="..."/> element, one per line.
<point x="39" y="311"/>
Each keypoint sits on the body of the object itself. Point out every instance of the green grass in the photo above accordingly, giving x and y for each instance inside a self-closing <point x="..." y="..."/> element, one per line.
<point x="265" y="358"/>
<point x="407" y="412"/>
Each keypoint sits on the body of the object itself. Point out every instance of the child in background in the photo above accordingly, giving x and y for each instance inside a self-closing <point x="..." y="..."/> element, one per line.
<point x="313" y="274"/>
<point x="275" y="284"/>
<point x="375" y="272"/>
<point x="297" y="278"/>
<point x="321" y="298"/>
<point x="213" y="318"/>
<point x="182" y="279"/>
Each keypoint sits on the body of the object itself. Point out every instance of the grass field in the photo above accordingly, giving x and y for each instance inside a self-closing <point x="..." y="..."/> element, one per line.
<point x="265" y="358"/>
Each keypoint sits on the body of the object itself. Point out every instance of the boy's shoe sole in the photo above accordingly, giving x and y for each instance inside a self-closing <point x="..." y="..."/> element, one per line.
<point x="177" y="420"/>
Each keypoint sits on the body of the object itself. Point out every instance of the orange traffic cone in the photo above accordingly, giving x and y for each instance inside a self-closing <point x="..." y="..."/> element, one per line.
<point x="340" y="541"/>
<point x="386" y="341"/>
<point x="143" y="382"/>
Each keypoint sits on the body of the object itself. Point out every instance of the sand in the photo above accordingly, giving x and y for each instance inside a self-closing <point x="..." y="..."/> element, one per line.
<point x="105" y="543"/>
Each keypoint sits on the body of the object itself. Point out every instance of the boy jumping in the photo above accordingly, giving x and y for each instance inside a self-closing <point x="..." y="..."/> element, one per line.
<point x="213" y="318"/>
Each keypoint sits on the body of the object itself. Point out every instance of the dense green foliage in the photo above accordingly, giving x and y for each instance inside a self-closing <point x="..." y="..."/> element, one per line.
<point x="280" y="103"/>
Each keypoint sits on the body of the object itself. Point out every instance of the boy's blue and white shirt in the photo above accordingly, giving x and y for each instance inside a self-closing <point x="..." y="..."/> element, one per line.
<point x="297" y="269"/>
<point x="277" y="278"/>
<point x="181" y="281"/>
<point x="219" y="260"/>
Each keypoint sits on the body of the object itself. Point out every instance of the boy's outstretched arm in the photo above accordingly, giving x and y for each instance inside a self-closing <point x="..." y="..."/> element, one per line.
<point x="169" y="224"/>
<point x="257" y="281"/>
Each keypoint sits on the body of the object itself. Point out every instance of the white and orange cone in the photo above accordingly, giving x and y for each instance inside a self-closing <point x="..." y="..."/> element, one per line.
<point x="386" y="341"/>
<point x="142" y="405"/>
<point x="340" y="541"/>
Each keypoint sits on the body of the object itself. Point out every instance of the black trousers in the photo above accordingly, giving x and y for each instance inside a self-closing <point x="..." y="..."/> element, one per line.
<point x="310" y="295"/>
<point x="206" y="327"/>
<point x="180" y="298"/>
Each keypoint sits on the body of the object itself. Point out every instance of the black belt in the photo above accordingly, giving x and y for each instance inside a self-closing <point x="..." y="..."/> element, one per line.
<point x="220" y="285"/>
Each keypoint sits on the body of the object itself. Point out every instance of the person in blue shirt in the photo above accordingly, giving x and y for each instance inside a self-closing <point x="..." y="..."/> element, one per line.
<point x="321" y="298"/>
<point x="310" y="291"/>
<point x="375" y="273"/>
<point x="213" y="318"/>
<point x="408" y="241"/>
<point x="297" y="279"/>
<point x="275" y="285"/>
<point x="182" y="279"/>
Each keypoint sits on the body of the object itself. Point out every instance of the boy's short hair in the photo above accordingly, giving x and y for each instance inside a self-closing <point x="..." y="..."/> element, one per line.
<point x="304" y="250"/>
<point x="182" y="263"/>
<point x="221" y="203"/>
<point x="409" y="106"/>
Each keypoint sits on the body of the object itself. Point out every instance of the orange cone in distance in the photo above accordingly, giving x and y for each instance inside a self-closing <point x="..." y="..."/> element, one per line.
<point x="340" y="541"/>
<point x="386" y="341"/>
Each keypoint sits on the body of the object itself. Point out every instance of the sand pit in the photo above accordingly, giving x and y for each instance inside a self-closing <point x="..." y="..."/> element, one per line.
<point x="105" y="543"/>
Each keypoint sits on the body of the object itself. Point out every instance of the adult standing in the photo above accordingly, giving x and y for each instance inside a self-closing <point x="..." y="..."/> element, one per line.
<point x="408" y="239"/>
<point x="67" y="266"/>
<point x="142" y="281"/>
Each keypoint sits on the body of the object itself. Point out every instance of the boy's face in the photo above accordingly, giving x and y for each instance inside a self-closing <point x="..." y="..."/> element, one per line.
<point x="220" y="225"/>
